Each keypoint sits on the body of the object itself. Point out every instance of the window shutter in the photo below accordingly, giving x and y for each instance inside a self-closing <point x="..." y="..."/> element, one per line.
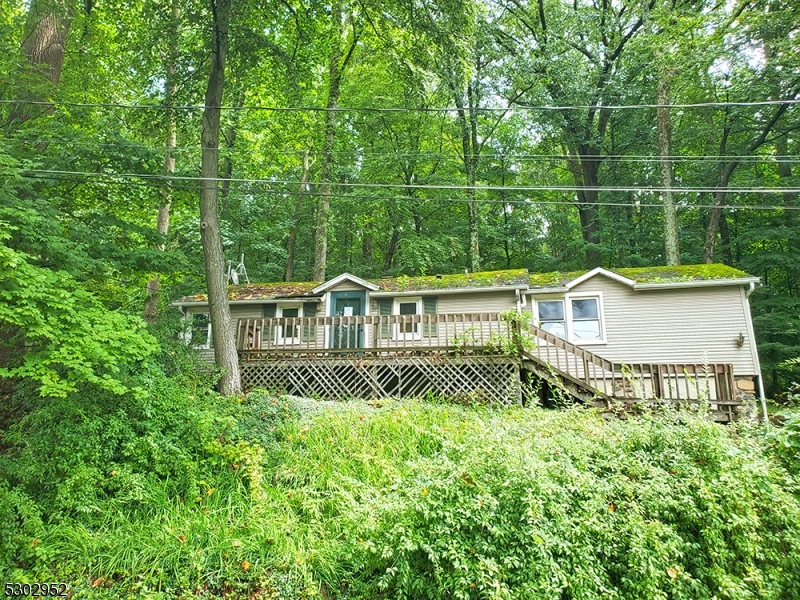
<point x="268" y="311"/>
<point x="309" y="331"/>
<point x="429" y="306"/>
<point x="385" y="308"/>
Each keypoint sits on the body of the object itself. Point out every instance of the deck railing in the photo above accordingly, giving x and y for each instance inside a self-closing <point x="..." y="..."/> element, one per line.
<point x="668" y="381"/>
<point x="465" y="333"/>
<point x="459" y="332"/>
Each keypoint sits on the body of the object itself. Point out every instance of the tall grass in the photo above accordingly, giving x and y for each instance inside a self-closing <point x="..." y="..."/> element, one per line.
<point x="274" y="497"/>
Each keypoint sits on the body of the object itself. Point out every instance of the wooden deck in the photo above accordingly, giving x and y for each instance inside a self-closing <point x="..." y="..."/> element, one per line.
<point x="457" y="355"/>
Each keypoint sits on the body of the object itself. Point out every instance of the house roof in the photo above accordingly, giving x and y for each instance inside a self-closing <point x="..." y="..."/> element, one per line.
<point x="646" y="277"/>
<point x="484" y="279"/>
<point x="638" y="278"/>
<point x="260" y="291"/>
<point x="323" y="287"/>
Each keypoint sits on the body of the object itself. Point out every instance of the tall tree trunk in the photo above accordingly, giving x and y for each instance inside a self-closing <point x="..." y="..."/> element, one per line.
<point x="392" y="249"/>
<point x="467" y="119"/>
<point x="664" y="120"/>
<point x="46" y="29"/>
<point x="224" y="344"/>
<point x="162" y="224"/>
<point x="585" y="165"/>
<point x="298" y="205"/>
<point x="336" y="69"/>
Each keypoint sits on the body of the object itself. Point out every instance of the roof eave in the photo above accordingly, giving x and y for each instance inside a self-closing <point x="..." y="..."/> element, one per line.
<point x="696" y="283"/>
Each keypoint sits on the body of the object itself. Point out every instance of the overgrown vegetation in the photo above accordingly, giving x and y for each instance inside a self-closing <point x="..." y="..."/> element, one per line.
<point x="178" y="492"/>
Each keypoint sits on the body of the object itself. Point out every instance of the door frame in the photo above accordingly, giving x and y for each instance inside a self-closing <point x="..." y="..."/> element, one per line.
<point x="333" y="297"/>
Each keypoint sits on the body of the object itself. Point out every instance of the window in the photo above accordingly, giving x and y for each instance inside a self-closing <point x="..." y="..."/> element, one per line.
<point x="290" y="332"/>
<point x="200" y="330"/>
<point x="407" y="307"/>
<point x="575" y="318"/>
<point x="551" y="317"/>
<point x="585" y="319"/>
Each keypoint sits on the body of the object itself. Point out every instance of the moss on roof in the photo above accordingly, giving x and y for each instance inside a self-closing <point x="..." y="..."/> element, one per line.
<point x="680" y="273"/>
<point x="553" y="279"/>
<point x="262" y="291"/>
<point x="645" y="275"/>
<point x="485" y="279"/>
<point x="511" y="277"/>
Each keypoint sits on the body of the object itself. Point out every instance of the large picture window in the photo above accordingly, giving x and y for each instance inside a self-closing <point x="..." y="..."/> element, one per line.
<point x="575" y="318"/>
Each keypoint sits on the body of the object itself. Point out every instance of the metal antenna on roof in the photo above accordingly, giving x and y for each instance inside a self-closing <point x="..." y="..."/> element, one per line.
<point x="234" y="275"/>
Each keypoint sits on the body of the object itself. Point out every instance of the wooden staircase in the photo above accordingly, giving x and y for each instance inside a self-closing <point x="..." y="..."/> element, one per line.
<point x="590" y="378"/>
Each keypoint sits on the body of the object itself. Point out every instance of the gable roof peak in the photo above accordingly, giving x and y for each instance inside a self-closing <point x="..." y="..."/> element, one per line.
<point x="324" y="287"/>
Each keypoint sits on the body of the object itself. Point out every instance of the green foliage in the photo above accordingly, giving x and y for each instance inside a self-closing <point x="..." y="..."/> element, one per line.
<point x="63" y="333"/>
<point x="571" y="506"/>
<point x="188" y="494"/>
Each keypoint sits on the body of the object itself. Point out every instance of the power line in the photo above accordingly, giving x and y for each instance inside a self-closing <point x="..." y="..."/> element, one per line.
<point x="419" y="186"/>
<point x="645" y="158"/>
<point x="524" y="202"/>
<point x="366" y="109"/>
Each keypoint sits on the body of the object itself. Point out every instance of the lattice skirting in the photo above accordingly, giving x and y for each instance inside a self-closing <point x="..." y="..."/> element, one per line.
<point x="483" y="378"/>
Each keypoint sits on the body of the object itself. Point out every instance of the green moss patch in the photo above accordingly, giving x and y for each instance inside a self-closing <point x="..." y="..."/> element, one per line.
<point x="485" y="279"/>
<point x="681" y="273"/>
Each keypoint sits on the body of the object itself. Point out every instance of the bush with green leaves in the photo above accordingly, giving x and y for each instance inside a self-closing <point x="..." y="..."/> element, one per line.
<point x="290" y="498"/>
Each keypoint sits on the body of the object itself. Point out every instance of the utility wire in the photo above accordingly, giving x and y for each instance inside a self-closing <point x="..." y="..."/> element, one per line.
<point x="365" y="109"/>
<point x="645" y="158"/>
<point x="524" y="202"/>
<point x="419" y="186"/>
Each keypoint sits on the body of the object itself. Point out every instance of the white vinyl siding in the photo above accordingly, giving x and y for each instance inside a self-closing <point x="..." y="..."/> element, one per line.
<point x="689" y="325"/>
<point x="477" y="302"/>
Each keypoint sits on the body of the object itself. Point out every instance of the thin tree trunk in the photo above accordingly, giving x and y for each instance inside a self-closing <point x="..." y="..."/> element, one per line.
<point x="296" y="217"/>
<point x="726" y="171"/>
<point x="162" y="224"/>
<point x="791" y="212"/>
<point x="224" y="344"/>
<point x="46" y="29"/>
<point x="663" y="118"/>
<point x="392" y="249"/>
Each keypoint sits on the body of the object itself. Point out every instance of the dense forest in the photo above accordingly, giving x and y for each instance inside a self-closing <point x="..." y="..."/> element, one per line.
<point x="147" y="145"/>
<point x="402" y="138"/>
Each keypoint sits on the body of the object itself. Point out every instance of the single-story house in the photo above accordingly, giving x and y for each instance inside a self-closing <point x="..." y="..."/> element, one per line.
<point x="632" y="333"/>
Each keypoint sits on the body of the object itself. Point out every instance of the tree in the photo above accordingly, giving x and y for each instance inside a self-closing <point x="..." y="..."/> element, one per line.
<point x="343" y="43"/>
<point x="225" y="353"/>
<point x="171" y="89"/>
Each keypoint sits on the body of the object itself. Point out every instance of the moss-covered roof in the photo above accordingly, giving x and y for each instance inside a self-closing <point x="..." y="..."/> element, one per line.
<point x="485" y="279"/>
<point x="681" y="273"/>
<point x="650" y="275"/>
<point x="553" y="278"/>
<point x="262" y="291"/>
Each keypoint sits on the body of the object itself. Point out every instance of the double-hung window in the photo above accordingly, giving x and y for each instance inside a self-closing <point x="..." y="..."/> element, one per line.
<point x="552" y="318"/>
<point x="586" y="319"/>
<point x="289" y="333"/>
<point x="290" y="330"/>
<point x="577" y="318"/>
<point x="200" y="330"/>
<point x="407" y="309"/>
